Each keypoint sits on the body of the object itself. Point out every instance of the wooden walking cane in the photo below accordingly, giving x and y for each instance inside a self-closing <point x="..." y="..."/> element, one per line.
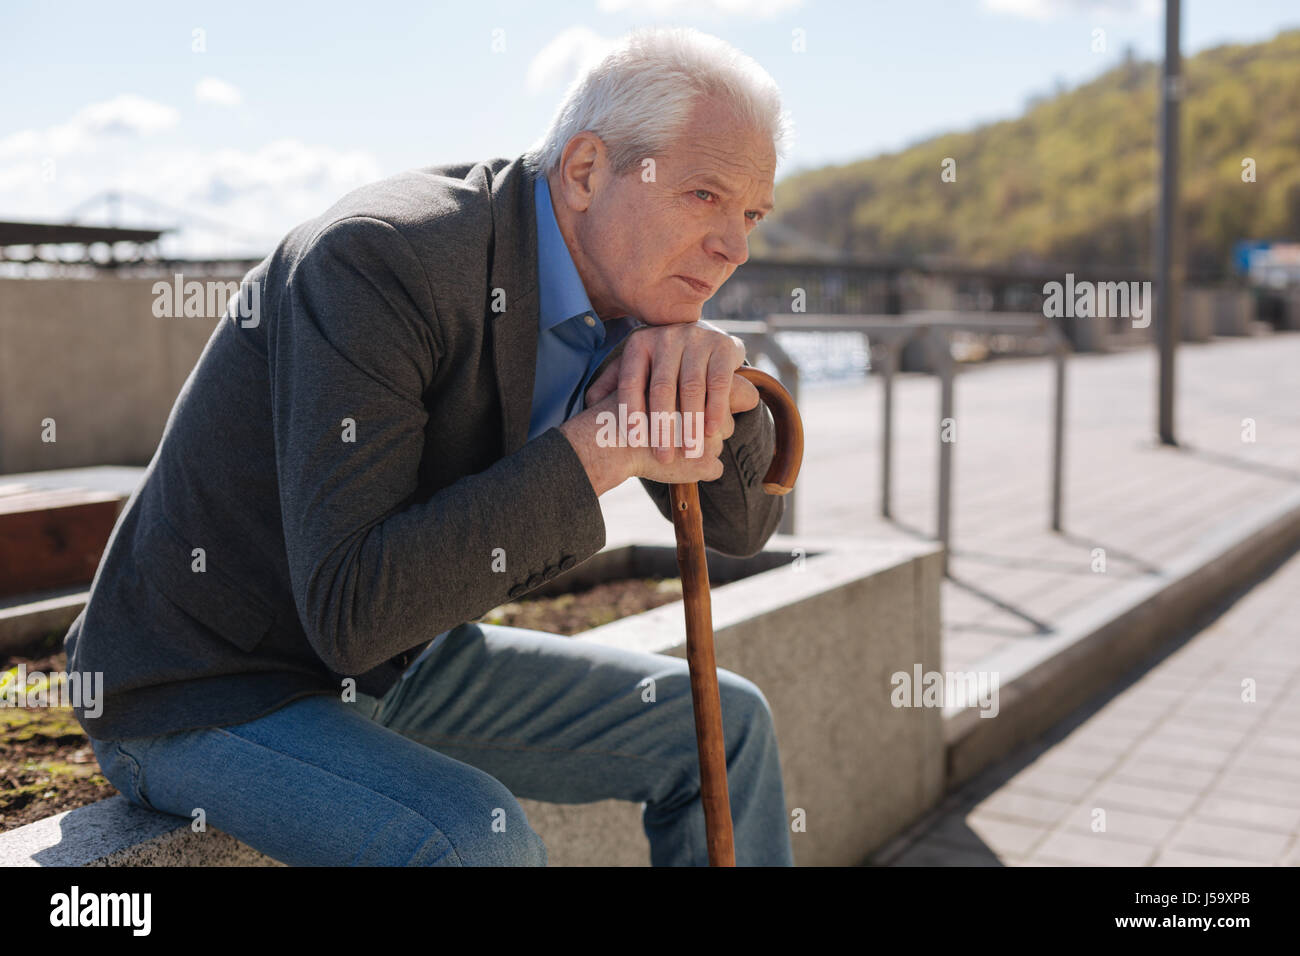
<point x="688" y="522"/>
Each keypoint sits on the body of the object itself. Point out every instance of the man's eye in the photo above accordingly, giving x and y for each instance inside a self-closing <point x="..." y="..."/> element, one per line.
<point x="706" y="193"/>
<point x="757" y="214"/>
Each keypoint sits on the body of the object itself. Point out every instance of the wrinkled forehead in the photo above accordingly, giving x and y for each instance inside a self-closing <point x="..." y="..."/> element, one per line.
<point x="740" y="167"/>
<point x="716" y="128"/>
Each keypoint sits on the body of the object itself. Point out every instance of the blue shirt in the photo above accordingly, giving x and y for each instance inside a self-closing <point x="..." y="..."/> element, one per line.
<point x="572" y="341"/>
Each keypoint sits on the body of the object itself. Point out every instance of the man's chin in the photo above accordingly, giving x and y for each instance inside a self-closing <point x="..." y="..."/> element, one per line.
<point x="669" y="310"/>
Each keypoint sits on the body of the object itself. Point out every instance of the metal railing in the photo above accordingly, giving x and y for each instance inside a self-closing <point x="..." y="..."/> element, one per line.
<point x="888" y="335"/>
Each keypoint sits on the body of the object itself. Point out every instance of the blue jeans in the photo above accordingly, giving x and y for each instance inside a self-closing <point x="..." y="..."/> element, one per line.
<point x="428" y="775"/>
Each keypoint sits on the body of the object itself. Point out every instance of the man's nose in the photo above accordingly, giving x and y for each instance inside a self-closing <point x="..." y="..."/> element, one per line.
<point x="732" y="243"/>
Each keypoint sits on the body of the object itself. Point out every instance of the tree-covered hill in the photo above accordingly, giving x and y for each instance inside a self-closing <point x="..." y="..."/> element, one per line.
<point x="1075" y="178"/>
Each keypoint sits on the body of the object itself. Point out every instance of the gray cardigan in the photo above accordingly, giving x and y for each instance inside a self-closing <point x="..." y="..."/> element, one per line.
<point x="335" y="477"/>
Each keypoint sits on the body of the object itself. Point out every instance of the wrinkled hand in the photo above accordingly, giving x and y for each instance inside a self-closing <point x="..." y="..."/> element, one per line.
<point x="684" y="368"/>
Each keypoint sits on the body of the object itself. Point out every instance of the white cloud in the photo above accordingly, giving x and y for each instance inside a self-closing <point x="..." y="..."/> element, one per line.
<point x="757" y="9"/>
<point x="566" y="56"/>
<point x="127" y="114"/>
<point x="258" y="193"/>
<point x="212" y="90"/>
<point x="253" y="195"/>
<point x="1056" y="9"/>
<point x="123" y="117"/>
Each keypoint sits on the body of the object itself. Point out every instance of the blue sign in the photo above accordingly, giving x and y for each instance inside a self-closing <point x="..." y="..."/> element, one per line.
<point x="1242" y="250"/>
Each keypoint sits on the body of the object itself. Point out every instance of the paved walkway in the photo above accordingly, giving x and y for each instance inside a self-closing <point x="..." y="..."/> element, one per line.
<point x="1175" y="769"/>
<point x="1012" y="578"/>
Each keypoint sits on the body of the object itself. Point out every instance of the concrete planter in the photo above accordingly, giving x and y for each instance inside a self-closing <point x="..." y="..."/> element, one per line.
<point x="819" y="626"/>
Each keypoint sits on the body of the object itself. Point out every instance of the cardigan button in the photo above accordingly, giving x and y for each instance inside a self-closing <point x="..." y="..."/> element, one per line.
<point x="568" y="562"/>
<point x="517" y="590"/>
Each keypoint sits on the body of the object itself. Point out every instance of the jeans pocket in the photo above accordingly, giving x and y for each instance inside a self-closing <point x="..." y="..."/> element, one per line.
<point x="122" y="770"/>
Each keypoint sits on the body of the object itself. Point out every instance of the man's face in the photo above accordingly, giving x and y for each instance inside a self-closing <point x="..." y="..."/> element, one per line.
<point x="640" y="243"/>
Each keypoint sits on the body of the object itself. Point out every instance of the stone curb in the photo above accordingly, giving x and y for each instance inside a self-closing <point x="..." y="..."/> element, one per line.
<point x="1043" y="681"/>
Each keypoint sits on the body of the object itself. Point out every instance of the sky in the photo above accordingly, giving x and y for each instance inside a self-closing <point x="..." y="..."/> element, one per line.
<point x="244" y="119"/>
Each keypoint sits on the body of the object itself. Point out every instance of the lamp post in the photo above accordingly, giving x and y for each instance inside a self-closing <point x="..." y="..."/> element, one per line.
<point x="1168" y="277"/>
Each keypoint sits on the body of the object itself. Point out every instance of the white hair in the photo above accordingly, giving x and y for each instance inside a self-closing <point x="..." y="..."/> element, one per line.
<point x="639" y="97"/>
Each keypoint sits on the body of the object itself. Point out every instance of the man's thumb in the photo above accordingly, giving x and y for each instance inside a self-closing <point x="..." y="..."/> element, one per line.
<point x="607" y="381"/>
<point x="604" y="385"/>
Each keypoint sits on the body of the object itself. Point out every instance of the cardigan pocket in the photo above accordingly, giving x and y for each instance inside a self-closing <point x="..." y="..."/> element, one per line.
<point x="212" y="597"/>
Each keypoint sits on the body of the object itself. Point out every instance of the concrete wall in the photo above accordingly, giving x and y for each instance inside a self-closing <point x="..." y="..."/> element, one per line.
<point x="90" y="354"/>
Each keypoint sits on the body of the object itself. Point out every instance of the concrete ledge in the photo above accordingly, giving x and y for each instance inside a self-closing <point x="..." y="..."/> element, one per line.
<point x="24" y="619"/>
<point x="1043" y="681"/>
<point x="114" y="832"/>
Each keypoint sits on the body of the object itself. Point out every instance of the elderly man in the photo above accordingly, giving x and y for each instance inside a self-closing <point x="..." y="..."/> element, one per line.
<point x="406" y="439"/>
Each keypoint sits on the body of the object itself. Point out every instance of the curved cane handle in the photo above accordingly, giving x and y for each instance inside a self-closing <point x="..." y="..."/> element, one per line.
<point x="788" y="455"/>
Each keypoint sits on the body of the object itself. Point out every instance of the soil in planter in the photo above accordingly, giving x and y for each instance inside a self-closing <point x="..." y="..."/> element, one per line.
<point x="569" y="614"/>
<point x="47" y="766"/>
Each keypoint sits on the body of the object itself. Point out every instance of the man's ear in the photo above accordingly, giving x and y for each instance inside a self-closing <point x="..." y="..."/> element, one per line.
<point x="581" y="164"/>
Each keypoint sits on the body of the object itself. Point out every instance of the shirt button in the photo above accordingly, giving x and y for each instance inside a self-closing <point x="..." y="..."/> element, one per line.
<point x="590" y="321"/>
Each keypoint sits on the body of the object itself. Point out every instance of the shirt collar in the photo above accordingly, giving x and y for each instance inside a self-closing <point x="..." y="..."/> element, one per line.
<point x="562" y="293"/>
